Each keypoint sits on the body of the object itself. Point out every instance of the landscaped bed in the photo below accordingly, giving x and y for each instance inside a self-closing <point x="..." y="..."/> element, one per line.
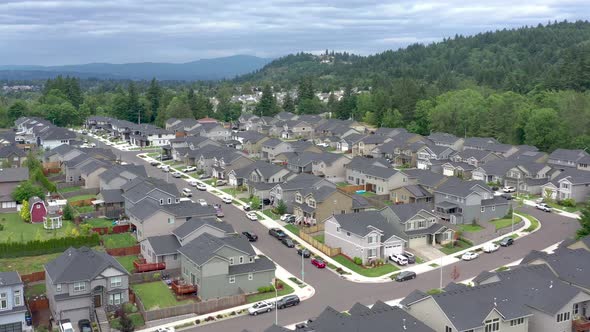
<point x="136" y="318"/>
<point x="366" y="271"/>
<point x="270" y="295"/>
<point x="505" y="222"/>
<point x="127" y="262"/>
<point x="156" y="295"/>
<point x="16" y="230"/>
<point x="122" y="240"/>
<point x="460" y="244"/>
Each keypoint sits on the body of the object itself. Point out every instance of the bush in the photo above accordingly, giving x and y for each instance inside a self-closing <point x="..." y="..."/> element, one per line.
<point x="266" y="289"/>
<point x="1" y="227"/>
<point x="55" y="245"/>
<point x="198" y="321"/>
<point x="568" y="202"/>
<point x="357" y="260"/>
<point x="209" y="319"/>
<point x="219" y="316"/>
<point x="129" y="307"/>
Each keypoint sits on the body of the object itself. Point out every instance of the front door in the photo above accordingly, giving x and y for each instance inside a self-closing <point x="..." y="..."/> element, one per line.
<point x="193" y="279"/>
<point x="97" y="300"/>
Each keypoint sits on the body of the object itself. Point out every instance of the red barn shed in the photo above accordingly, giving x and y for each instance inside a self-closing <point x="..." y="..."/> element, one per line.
<point x="38" y="209"/>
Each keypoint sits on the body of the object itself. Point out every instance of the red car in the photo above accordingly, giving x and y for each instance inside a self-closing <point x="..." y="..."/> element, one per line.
<point x="320" y="264"/>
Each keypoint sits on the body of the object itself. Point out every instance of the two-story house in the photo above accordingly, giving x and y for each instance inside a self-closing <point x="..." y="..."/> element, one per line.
<point x="153" y="189"/>
<point x="226" y="161"/>
<point x="417" y="186"/>
<point x="447" y="140"/>
<point x="82" y="281"/>
<point x="330" y="166"/>
<point x="563" y="158"/>
<point x="12" y="156"/>
<point x="10" y="178"/>
<point x="367" y="145"/>
<point x="257" y="172"/>
<point x="287" y="190"/>
<point x="213" y="131"/>
<point x="250" y="142"/>
<point x="298" y="162"/>
<point x="315" y="204"/>
<point x="571" y="184"/>
<point x="426" y="155"/>
<point x="12" y="303"/>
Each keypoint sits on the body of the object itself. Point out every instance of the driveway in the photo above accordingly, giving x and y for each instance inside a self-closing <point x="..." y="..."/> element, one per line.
<point x="427" y="253"/>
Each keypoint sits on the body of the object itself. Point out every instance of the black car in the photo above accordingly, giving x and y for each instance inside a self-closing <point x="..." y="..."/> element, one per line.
<point x="164" y="158"/>
<point x="290" y="219"/>
<point x="288" y="242"/>
<point x="507" y="241"/>
<point x="266" y="201"/>
<point x="507" y="196"/>
<point x="250" y="236"/>
<point x="411" y="258"/>
<point x="303" y="252"/>
<point x="288" y="301"/>
<point x="405" y="275"/>
<point x="84" y="325"/>
<point x="277" y="233"/>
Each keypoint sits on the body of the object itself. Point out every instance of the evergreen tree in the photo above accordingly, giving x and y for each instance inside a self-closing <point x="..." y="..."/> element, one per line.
<point x="154" y="93"/>
<point x="288" y="103"/>
<point x="134" y="107"/>
<point x="268" y="103"/>
<point x="25" y="211"/>
<point x="16" y="110"/>
<point x="584" y="222"/>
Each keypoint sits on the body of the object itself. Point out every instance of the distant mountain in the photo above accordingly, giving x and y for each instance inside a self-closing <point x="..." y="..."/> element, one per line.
<point x="204" y="69"/>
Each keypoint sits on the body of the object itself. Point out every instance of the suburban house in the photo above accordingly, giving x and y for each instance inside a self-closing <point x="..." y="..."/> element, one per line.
<point x="564" y="158"/>
<point x="571" y="184"/>
<point x="12" y="303"/>
<point x="521" y="300"/>
<point x="90" y="173"/>
<point x="426" y="155"/>
<point x="226" y="161"/>
<point x="51" y="136"/>
<point x="315" y="204"/>
<point x="287" y="190"/>
<point x="153" y="189"/>
<point x="226" y="266"/>
<point x="345" y="143"/>
<point x="12" y="156"/>
<point x="453" y="168"/>
<point x="110" y="203"/>
<point x="366" y="234"/>
<point x="494" y="171"/>
<point x="475" y="157"/>
<point x="463" y="202"/>
<point x="180" y="146"/>
<point x="82" y="281"/>
<point x="10" y="178"/>
<point x="213" y="131"/>
<point x="416" y="186"/>
<point x="298" y="162"/>
<point x="375" y="179"/>
<point x="118" y="175"/>
<point x="274" y="147"/>
<point x="367" y="145"/>
<point x="73" y="168"/>
<point x="446" y="140"/>
<point x="257" y="172"/>
<point x="149" y="135"/>
<point x="330" y="166"/>
<point x="250" y="141"/>
<point x="417" y="225"/>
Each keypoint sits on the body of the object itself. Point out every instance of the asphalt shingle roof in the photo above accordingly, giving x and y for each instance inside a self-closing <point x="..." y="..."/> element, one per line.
<point x="204" y="247"/>
<point x="17" y="174"/>
<point x="164" y="244"/>
<point x="10" y="278"/>
<point x="80" y="264"/>
<point x="195" y="223"/>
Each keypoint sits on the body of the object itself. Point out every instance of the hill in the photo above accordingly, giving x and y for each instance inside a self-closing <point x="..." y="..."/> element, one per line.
<point x="204" y="69"/>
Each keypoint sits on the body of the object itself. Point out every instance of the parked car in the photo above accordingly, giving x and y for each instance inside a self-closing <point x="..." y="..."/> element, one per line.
<point x="247" y="207"/>
<point x="543" y="207"/>
<point x="218" y="211"/>
<point x="154" y="163"/>
<point x="318" y="262"/>
<point x="277" y="233"/>
<point x="405" y="275"/>
<point x="470" y="255"/>
<point x="161" y="166"/>
<point x="507" y="196"/>
<point x="227" y="199"/>
<point x="177" y="175"/>
<point x="323" y="145"/>
<point x="303" y="252"/>
<point x="204" y="176"/>
<point x="189" y="169"/>
<point x="291" y="219"/>
<point x="252" y="216"/>
<point x="202" y="202"/>
<point x="261" y="307"/>
<point x="508" y="189"/>
<point x="285" y="216"/>
<point x="192" y="183"/>
<point x="201" y="186"/>
<point x="411" y="258"/>
<point x="288" y="242"/>
<point x="250" y="236"/>
<point x="507" y="241"/>
<point x="66" y="326"/>
<point x="490" y="247"/>
<point x="187" y="192"/>
<point x="164" y="158"/>
<point x="166" y="168"/>
<point x="288" y="301"/>
<point x="166" y="329"/>
<point x="495" y="188"/>
<point x="398" y="259"/>
<point x="84" y="325"/>
<point x="266" y="202"/>
<point x="220" y="183"/>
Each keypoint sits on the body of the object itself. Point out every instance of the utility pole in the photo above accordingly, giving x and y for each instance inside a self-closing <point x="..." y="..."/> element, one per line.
<point x="302" y="265"/>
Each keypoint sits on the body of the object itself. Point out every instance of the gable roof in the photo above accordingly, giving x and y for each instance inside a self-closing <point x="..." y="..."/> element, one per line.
<point x="10" y="278"/>
<point x="567" y="154"/>
<point x="83" y="264"/>
<point x="147" y="207"/>
<point x="572" y="266"/>
<point x="164" y="244"/>
<point x="363" y="223"/>
<point x="9" y="150"/>
<point x="205" y="247"/>
<point x="196" y="223"/>
<point x="14" y="174"/>
<point x="406" y="211"/>
<point x="461" y="188"/>
<point x="425" y="177"/>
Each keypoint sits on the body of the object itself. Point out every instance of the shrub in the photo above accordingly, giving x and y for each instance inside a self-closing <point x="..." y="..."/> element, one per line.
<point x="156" y="276"/>
<point x="1" y="227"/>
<point x="357" y="260"/>
<point x="219" y="316"/>
<point x="129" y="307"/>
<point x="210" y="318"/>
<point x="198" y="321"/>
<point x="568" y="202"/>
<point x="54" y="245"/>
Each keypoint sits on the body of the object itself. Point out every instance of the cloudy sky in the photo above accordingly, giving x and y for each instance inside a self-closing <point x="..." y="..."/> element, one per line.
<point x="80" y="31"/>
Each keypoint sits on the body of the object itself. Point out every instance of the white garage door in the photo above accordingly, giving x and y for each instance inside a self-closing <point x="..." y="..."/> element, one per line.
<point x="393" y="249"/>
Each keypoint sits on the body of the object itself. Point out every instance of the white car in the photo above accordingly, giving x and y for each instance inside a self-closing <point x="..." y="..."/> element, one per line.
<point x="202" y="202"/>
<point x="201" y="186"/>
<point x="490" y="247"/>
<point x="543" y="207"/>
<point x="166" y="168"/>
<point x="187" y="192"/>
<point x="261" y="307"/>
<point x="192" y="183"/>
<point x="252" y="216"/>
<point x="189" y="169"/>
<point x="177" y="175"/>
<point x="227" y="199"/>
<point x="323" y="145"/>
<point x="508" y="189"/>
<point x="285" y="216"/>
<point x="398" y="259"/>
<point x="166" y="329"/>
<point x="470" y="255"/>
<point x="66" y="326"/>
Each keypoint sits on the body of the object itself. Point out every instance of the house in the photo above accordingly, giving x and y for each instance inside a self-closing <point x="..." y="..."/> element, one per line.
<point x="427" y="154"/>
<point x="417" y="225"/>
<point x="355" y="169"/>
<point x="10" y="178"/>
<point x="584" y="163"/>
<point x="366" y="234"/>
<point x="257" y="172"/>
<point x="226" y="161"/>
<point x="494" y="171"/>
<point x="571" y="184"/>
<point x="110" y="203"/>
<point x="52" y="136"/>
<point x="564" y="158"/>
<point x="318" y="203"/>
<point x="90" y="173"/>
<point x="330" y="166"/>
<point x="83" y="280"/>
<point x="345" y="143"/>
<point x="521" y="299"/>
<point x="475" y="157"/>
<point x="251" y="142"/>
<point x="118" y="175"/>
<point x="454" y="168"/>
<point x="298" y="162"/>
<point x="12" y="156"/>
<point x="73" y="168"/>
<point x="12" y="303"/>
<point x="367" y="145"/>
<point x="376" y="179"/>
<point x="274" y="147"/>
<point x="213" y="131"/>
<point x="287" y="190"/>
<point x="572" y="243"/>
<point x="226" y="266"/>
<point x="416" y="186"/>
<point x="447" y="140"/>
<point x="463" y="202"/>
<point x="152" y="189"/>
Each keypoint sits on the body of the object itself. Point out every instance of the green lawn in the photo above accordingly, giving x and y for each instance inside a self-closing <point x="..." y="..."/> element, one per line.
<point x="80" y="198"/>
<point x="271" y="215"/>
<point x="368" y="194"/>
<point x="127" y="262"/>
<point x="84" y="209"/>
<point x="534" y="222"/>
<point x="470" y="228"/>
<point x="69" y="189"/>
<point x="342" y="184"/>
<point x="156" y="295"/>
<point x="210" y="182"/>
<point x="293" y="229"/>
<point x="122" y="240"/>
<point x="136" y="318"/>
<point x="506" y="222"/>
<point x="26" y="265"/>
<point x="576" y="208"/>
<point x="230" y="191"/>
<point x="16" y="230"/>
<point x="461" y="245"/>
<point x="99" y="222"/>
<point x="320" y="238"/>
<point x="433" y="265"/>
<point x="367" y="272"/>
<point x="153" y="154"/>
<point x="32" y="290"/>
<point x="270" y="295"/>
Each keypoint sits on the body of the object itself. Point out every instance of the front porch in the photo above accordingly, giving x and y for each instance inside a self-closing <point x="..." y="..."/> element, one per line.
<point x="449" y="212"/>
<point x="304" y="215"/>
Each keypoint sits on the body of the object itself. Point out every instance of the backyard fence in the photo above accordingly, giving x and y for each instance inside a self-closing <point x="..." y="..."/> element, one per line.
<point x="33" y="277"/>
<point x="351" y="189"/>
<point x="62" y="185"/>
<point x="305" y="234"/>
<point x="38" y="303"/>
<point x="83" y="202"/>
<point x="138" y="278"/>
<point x="133" y="250"/>
<point x="199" y="308"/>
<point x="112" y="230"/>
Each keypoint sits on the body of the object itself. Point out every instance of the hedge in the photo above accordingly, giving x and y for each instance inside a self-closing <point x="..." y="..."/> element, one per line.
<point x="35" y="248"/>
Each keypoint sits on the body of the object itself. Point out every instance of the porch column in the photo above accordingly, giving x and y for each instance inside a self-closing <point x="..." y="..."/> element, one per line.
<point x="433" y="239"/>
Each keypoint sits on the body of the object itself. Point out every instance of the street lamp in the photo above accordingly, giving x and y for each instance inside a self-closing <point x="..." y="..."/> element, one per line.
<point x="274" y="283"/>
<point x="303" y="265"/>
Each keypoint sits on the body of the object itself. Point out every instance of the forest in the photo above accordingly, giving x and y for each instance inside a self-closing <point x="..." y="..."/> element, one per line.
<point x="523" y="86"/>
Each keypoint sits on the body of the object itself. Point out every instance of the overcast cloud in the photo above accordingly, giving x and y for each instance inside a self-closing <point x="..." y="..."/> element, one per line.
<point x="81" y="31"/>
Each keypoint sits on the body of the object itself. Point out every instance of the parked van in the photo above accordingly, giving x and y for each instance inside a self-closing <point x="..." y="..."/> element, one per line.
<point x="187" y="192"/>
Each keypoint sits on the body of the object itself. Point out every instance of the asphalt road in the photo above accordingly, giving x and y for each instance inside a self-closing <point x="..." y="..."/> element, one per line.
<point x="340" y="294"/>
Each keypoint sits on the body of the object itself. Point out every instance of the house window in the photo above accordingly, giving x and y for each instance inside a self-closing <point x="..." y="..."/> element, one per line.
<point x="493" y="208"/>
<point x="175" y="257"/>
<point x="518" y="321"/>
<point x="250" y="276"/>
<point x="298" y="198"/>
<point x="161" y="202"/>
<point x="116" y="282"/>
<point x="17" y="301"/>
<point x="232" y="279"/>
<point x="170" y="221"/>
<point x="231" y="261"/>
<point x="312" y="203"/>
<point x="576" y="308"/>
<point x="3" y="301"/>
<point x="58" y="287"/>
<point x="79" y="286"/>
<point x="372" y="253"/>
<point x="448" y="329"/>
<point x="421" y="223"/>
<point x="563" y="317"/>
<point x="251" y="259"/>
<point x="115" y="299"/>
<point x="483" y="209"/>
<point x="241" y="259"/>
<point x="169" y="200"/>
<point x="371" y="239"/>
<point x="492" y="325"/>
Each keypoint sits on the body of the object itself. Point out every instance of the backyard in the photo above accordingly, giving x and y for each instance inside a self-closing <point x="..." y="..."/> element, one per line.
<point x="69" y="189"/>
<point x="156" y="295"/>
<point x="368" y="271"/>
<point x="99" y="222"/>
<point x="319" y="238"/>
<point x="505" y="222"/>
<point x="16" y="230"/>
<point x="122" y="240"/>
<point x="32" y="290"/>
<point x="26" y="265"/>
<point x="127" y="262"/>
<point x="474" y="228"/>
<point x="81" y="197"/>
<point x="270" y="295"/>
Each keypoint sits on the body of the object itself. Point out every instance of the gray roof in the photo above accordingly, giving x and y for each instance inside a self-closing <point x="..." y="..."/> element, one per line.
<point x="461" y="188"/>
<point x="425" y="177"/>
<point x="164" y="244"/>
<point x="112" y="196"/>
<point x="319" y="193"/>
<point x="498" y="167"/>
<point x="481" y="142"/>
<point x="496" y="200"/>
<point x="443" y="138"/>
<point x="359" y="202"/>
<point x="300" y="181"/>
<point x="259" y="264"/>
<point x="119" y="170"/>
<point x="418" y="191"/>
<point x="195" y="223"/>
<point x="10" y="278"/>
<point x="566" y="154"/>
<point x="81" y="264"/>
<point x="477" y="154"/>
<point x="205" y="247"/>
<point x="301" y="158"/>
<point x="9" y="150"/>
<point x="362" y="223"/>
<point x="406" y="211"/>
<point x="147" y="207"/>
<point x="573" y="175"/>
<point x="272" y="142"/>
<point x="140" y="187"/>
<point x="379" y="172"/>
<point x="17" y="174"/>
<point x="572" y="266"/>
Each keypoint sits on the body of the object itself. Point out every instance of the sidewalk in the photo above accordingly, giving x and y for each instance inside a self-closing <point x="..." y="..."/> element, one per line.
<point x="560" y="212"/>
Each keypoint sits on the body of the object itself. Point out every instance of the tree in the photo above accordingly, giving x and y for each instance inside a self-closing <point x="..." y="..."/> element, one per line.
<point x="178" y="108"/>
<point x="288" y="103"/>
<point x="134" y="107"/>
<point x="267" y="105"/>
<point x="392" y="119"/>
<point x="347" y="104"/>
<point x="305" y="90"/>
<point x="25" y="211"/>
<point x="543" y="129"/>
<point x="16" y="110"/>
<point x="125" y="322"/>
<point x="584" y="222"/>
<point x="281" y="207"/>
<point x="153" y="96"/>
<point x="255" y="202"/>
<point x="26" y="190"/>
<point x="68" y="212"/>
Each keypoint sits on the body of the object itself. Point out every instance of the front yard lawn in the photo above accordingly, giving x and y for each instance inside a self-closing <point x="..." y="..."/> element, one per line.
<point x="573" y="209"/>
<point x="127" y="262"/>
<point x="16" y="230"/>
<point x="156" y="295"/>
<point x="122" y="240"/>
<point x="270" y="295"/>
<point x="470" y="228"/>
<point x="461" y="244"/>
<point x="341" y="184"/>
<point x="99" y="222"/>
<point x="69" y="189"/>
<point x="81" y="198"/>
<point x="506" y="222"/>
<point x="26" y="265"/>
<point x="369" y="271"/>
<point x="271" y="215"/>
<point x="210" y="182"/>
<point x="368" y="194"/>
<point x="292" y="228"/>
<point x="319" y="238"/>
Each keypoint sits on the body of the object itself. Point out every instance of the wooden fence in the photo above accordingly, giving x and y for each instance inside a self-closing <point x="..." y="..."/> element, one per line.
<point x="138" y="278"/>
<point x="39" y="303"/>
<point x="199" y="308"/>
<point x="133" y="250"/>
<point x="351" y="189"/>
<point x="112" y="230"/>
<point x="318" y="245"/>
<point x="83" y="202"/>
<point x="33" y="277"/>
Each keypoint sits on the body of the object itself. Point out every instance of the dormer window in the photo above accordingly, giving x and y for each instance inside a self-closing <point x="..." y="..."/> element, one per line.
<point x="311" y="203"/>
<point x="169" y="200"/>
<point x="298" y="198"/>
<point x="161" y="202"/>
